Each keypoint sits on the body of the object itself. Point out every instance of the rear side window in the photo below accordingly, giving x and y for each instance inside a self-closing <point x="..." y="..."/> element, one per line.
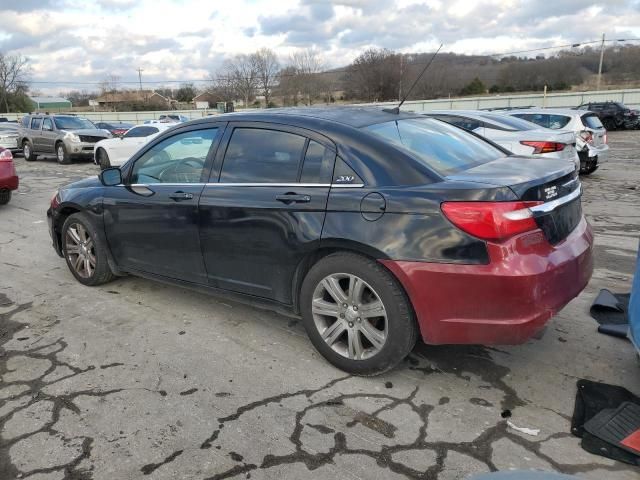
<point x="592" y="121"/>
<point x="25" y="122"/>
<point x="36" y="123"/>
<point x="262" y="156"/>
<point x="318" y="162"/>
<point x="443" y="148"/>
<point x="462" y="122"/>
<point x="47" y="124"/>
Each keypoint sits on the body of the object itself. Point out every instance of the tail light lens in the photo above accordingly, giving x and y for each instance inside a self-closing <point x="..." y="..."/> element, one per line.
<point x="544" y="147"/>
<point x="495" y="221"/>
<point x="586" y="136"/>
<point x="604" y="138"/>
<point x="5" y="156"/>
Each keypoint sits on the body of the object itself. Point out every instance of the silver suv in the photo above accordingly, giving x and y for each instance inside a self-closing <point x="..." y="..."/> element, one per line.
<point x="66" y="136"/>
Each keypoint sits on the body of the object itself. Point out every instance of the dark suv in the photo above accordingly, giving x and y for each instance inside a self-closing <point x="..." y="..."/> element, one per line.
<point x="65" y="136"/>
<point x="613" y="115"/>
<point x="375" y="227"/>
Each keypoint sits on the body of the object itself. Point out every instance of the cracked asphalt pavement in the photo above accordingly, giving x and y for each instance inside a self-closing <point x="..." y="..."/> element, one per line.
<point x="137" y="379"/>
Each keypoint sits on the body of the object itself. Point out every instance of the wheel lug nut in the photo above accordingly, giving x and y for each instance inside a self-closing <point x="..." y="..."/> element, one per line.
<point x="355" y="308"/>
<point x="344" y="305"/>
<point x="359" y="320"/>
<point x="342" y="315"/>
<point x="350" y="324"/>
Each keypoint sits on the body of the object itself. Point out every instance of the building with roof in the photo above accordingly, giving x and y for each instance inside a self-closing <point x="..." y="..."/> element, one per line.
<point x="114" y="99"/>
<point x="49" y="103"/>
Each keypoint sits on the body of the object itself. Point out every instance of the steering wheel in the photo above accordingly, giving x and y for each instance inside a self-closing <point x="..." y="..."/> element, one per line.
<point x="183" y="166"/>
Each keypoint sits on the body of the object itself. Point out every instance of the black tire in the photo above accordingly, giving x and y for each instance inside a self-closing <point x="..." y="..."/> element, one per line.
<point x="5" y="196"/>
<point x="103" y="159"/>
<point x="101" y="272"/>
<point x="27" y="151"/>
<point x="62" y="155"/>
<point x="401" y="326"/>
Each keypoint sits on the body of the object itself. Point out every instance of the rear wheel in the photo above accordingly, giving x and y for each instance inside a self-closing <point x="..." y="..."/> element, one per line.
<point x="356" y="314"/>
<point x="61" y="154"/>
<point x="27" y="151"/>
<point x="103" y="159"/>
<point x="5" y="196"/>
<point x="84" y="252"/>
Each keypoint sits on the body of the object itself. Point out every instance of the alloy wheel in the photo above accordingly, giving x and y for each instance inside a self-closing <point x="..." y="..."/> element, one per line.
<point x="60" y="153"/>
<point x="80" y="250"/>
<point x="349" y="316"/>
<point x="26" y="150"/>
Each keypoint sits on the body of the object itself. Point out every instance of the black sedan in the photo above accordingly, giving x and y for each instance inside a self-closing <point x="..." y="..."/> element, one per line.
<point x="115" y="128"/>
<point x="374" y="226"/>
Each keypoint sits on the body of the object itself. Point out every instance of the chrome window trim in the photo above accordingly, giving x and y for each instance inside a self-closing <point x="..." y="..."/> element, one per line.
<point x="292" y="185"/>
<point x="550" y="206"/>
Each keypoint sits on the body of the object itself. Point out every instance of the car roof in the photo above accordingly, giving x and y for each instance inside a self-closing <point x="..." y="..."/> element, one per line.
<point x="353" y="116"/>
<point x="554" y="111"/>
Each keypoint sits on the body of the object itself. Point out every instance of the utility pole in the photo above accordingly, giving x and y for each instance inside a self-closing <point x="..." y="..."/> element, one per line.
<point x="600" y="66"/>
<point x="140" y="77"/>
<point x="401" y="72"/>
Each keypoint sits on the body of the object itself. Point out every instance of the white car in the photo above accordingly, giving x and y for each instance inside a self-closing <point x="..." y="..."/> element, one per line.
<point x="114" y="152"/>
<point x="590" y="134"/>
<point x="517" y="136"/>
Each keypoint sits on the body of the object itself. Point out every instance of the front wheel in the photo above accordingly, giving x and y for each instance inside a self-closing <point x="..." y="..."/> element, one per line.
<point x="84" y="252"/>
<point x="103" y="159"/>
<point x="62" y="155"/>
<point x="357" y="314"/>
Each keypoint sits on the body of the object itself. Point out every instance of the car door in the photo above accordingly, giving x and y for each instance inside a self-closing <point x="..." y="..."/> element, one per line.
<point x="48" y="136"/>
<point x="151" y="221"/>
<point x="264" y="208"/>
<point x="35" y="132"/>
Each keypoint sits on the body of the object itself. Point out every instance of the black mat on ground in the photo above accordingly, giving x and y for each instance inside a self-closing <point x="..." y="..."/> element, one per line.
<point x="610" y="308"/>
<point x="591" y="399"/>
<point x="614" y="426"/>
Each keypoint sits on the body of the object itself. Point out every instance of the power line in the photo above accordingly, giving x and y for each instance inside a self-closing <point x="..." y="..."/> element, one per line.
<point x="330" y="72"/>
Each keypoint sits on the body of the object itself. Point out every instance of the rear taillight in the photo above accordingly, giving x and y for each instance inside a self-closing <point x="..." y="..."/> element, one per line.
<point x="5" y="156"/>
<point x="604" y="138"/>
<point x="544" y="147"/>
<point x="495" y="221"/>
<point x="586" y="136"/>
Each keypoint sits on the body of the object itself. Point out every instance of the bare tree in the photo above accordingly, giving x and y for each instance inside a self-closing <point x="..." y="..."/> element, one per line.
<point x="267" y="69"/>
<point x="306" y="67"/>
<point x="374" y="75"/>
<point x="240" y="76"/>
<point x="13" y="73"/>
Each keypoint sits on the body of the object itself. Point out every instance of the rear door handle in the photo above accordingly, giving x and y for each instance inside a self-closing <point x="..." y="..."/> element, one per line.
<point x="178" y="196"/>
<point x="289" y="198"/>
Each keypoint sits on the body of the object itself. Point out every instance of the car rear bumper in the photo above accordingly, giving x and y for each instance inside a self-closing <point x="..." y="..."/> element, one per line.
<point x="8" y="177"/>
<point x="507" y="301"/>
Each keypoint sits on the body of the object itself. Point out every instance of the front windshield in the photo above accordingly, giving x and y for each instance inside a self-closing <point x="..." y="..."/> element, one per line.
<point x="514" y="123"/>
<point x="73" y="123"/>
<point x="442" y="147"/>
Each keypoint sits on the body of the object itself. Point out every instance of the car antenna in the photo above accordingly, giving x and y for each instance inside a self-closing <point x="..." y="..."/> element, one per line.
<point x="396" y="110"/>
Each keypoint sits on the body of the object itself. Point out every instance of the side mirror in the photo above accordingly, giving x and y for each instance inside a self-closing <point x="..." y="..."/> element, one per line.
<point x="111" y="177"/>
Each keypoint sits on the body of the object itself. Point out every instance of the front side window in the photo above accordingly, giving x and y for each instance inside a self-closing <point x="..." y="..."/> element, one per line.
<point x="138" y="132"/>
<point x="441" y="147"/>
<point x="177" y="159"/>
<point x="36" y="123"/>
<point x="257" y="155"/>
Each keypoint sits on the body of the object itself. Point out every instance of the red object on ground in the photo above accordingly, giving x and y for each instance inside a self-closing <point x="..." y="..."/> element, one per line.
<point x="509" y="300"/>
<point x="8" y="175"/>
<point x="632" y="441"/>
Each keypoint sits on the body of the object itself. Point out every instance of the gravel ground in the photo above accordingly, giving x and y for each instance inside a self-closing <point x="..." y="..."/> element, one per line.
<point x="136" y="379"/>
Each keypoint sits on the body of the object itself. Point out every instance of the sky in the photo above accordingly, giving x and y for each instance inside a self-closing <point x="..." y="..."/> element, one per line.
<point x="75" y="44"/>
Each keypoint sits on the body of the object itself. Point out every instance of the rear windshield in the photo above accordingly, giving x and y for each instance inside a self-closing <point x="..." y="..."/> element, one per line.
<point x="591" y="121"/>
<point x="514" y="123"/>
<point x="72" y="123"/>
<point x="442" y="147"/>
<point x="546" y="120"/>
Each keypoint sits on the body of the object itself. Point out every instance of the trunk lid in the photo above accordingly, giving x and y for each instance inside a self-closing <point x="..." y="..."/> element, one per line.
<point x="553" y="182"/>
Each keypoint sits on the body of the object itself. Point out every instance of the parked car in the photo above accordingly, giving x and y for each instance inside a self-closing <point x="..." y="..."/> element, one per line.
<point x="613" y="115"/>
<point x="591" y="136"/>
<point x="173" y="117"/>
<point x="66" y="136"/>
<point x="9" y="136"/>
<point x="373" y="226"/>
<point x="8" y="176"/>
<point x="114" y="128"/>
<point x="116" y="151"/>
<point x="517" y="136"/>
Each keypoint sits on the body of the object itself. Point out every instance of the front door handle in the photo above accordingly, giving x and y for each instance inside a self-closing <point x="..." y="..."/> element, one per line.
<point x="178" y="196"/>
<point x="289" y="198"/>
